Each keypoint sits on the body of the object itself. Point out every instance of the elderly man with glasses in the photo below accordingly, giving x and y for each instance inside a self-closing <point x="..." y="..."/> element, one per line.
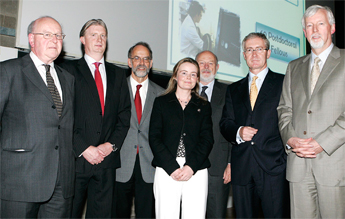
<point x="36" y="111"/>
<point x="250" y="123"/>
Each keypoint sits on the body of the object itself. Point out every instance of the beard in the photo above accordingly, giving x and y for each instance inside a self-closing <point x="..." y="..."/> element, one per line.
<point x="140" y="73"/>
<point x="209" y="78"/>
<point x="316" y="45"/>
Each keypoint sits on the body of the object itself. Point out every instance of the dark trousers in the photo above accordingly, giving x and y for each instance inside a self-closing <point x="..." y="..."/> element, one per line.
<point x="141" y="191"/>
<point x="97" y="187"/>
<point x="271" y="193"/>
<point x="217" y="198"/>
<point x="56" y="207"/>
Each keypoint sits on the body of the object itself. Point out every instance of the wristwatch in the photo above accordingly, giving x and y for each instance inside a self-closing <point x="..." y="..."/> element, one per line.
<point x="114" y="147"/>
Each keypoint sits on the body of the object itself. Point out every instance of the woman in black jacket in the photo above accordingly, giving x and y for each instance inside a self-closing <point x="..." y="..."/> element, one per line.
<point x="181" y="139"/>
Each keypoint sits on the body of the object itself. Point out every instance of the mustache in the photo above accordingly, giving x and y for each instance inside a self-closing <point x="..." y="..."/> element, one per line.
<point x="141" y="66"/>
<point x="206" y="70"/>
<point x="316" y="35"/>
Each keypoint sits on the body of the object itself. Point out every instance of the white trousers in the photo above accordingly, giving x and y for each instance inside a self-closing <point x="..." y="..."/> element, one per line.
<point x="170" y="193"/>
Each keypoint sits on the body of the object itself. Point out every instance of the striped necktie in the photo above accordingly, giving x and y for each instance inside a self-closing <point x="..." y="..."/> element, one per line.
<point x="53" y="90"/>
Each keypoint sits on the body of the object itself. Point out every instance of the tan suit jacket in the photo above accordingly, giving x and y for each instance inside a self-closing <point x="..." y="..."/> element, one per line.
<point x="320" y="116"/>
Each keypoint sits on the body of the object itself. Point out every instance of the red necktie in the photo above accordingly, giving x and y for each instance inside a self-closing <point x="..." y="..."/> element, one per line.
<point x="99" y="85"/>
<point x="138" y="108"/>
<point x="137" y="101"/>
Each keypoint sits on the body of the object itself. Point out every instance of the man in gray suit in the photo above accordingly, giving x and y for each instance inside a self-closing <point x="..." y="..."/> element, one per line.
<point x="312" y="122"/>
<point x="135" y="177"/>
<point x="219" y="173"/>
<point x="36" y="111"/>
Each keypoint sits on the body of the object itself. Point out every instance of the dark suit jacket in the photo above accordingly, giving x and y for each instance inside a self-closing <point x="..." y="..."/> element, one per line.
<point x="36" y="145"/>
<point x="266" y="146"/>
<point x="221" y="151"/>
<point x="90" y="128"/>
<point x="169" y="121"/>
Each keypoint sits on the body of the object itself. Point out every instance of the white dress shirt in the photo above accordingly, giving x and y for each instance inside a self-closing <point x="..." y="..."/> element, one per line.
<point x="42" y="70"/>
<point x="101" y="69"/>
<point x="142" y="90"/>
<point x="259" y="81"/>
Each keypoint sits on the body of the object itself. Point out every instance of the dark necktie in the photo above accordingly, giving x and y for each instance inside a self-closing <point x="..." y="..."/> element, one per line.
<point x="138" y="107"/>
<point x="99" y="85"/>
<point x="53" y="90"/>
<point x="203" y="93"/>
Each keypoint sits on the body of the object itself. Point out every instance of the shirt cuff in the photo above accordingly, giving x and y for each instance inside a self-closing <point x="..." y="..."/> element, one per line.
<point x="239" y="140"/>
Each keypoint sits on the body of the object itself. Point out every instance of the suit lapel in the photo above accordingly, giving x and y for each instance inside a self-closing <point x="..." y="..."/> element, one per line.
<point x="305" y="76"/>
<point x="87" y="75"/>
<point x="150" y="97"/>
<point x="31" y="72"/>
<point x="216" y="94"/>
<point x="110" y="87"/>
<point x="244" y="92"/>
<point x="331" y="63"/>
<point x="266" y="88"/>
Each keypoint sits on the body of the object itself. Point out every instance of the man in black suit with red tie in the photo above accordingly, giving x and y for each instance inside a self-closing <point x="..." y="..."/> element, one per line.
<point x="102" y="116"/>
<point x="250" y="123"/>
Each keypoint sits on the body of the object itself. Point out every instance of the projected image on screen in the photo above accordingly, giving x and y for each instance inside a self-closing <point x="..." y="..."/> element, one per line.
<point x="220" y="26"/>
<point x="228" y="42"/>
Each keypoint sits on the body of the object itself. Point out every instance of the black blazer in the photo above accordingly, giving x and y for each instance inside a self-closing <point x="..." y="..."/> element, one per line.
<point x="169" y="121"/>
<point x="90" y="128"/>
<point x="266" y="146"/>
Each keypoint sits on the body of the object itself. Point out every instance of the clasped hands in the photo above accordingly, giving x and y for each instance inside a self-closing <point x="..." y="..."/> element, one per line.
<point x="182" y="174"/>
<point x="306" y="148"/>
<point x="95" y="155"/>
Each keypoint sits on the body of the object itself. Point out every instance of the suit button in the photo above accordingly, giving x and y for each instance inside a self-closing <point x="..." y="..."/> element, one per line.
<point x="135" y="146"/>
<point x="98" y="133"/>
<point x="100" y="113"/>
<point x="252" y="143"/>
<point x="56" y="147"/>
<point x="54" y="107"/>
<point x="309" y="111"/>
<point x="58" y="126"/>
<point x="305" y="132"/>
<point x="139" y="131"/>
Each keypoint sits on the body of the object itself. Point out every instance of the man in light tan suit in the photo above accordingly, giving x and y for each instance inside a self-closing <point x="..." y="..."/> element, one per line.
<point x="312" y="122"/>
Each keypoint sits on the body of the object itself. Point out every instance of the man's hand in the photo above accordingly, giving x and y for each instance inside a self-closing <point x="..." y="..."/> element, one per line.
<point x="106" y="148"/>
<point x="247" y="133"/>
<point x="93" y="155"/>
<point x="306" y="148"/>
<point x="175" y="174"/>
<point x="185" y="174"/>
<point x="227" y="174"/>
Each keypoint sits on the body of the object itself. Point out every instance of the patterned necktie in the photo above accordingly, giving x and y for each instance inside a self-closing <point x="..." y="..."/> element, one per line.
<point x="253" y="92"/>
<point x="203" y="93"/>
<point x="99" y="85"/>
<point x="53" y="90"/>
<point x="315" y="73"/>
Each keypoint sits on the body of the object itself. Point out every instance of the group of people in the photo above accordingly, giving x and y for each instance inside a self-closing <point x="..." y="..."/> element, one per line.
<point x="83" y="132"/>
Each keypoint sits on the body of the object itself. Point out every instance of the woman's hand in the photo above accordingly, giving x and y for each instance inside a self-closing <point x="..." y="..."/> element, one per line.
<point x="185" y="174"/>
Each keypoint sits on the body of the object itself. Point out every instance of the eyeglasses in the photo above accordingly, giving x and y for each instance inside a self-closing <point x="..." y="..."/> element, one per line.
<point x="59" y="36"/>
<point x="257" y="49"/>
<point x="138" y="59"/>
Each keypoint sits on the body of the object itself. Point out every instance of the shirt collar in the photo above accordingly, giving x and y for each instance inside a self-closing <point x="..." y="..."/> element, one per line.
<point x="323" y="56"/>
<point x="38" y="63"/>
<point x="261" y="75"/>
<point x="89" y="60"/>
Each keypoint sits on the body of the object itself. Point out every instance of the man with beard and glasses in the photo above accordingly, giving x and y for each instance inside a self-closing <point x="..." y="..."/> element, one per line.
<point x="135" y="177"/>
<point x="312" y="122"/>
<point x="219" y="172"/>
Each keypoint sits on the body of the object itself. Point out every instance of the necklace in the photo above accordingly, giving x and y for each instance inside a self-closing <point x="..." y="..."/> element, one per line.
<point x="184" y="102"/>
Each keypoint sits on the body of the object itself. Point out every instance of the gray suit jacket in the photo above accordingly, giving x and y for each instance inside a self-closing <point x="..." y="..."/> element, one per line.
<point x="36" y="145"/>
<point x="138" y="136"/>
<point x="320" y="116"/>
<point x="221" y="151"/>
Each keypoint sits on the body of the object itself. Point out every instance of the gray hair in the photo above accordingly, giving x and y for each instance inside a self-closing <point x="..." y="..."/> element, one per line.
<point x="255" y="35"/>
<point x="313" y="9"/>
<point x="141" y="43"/>
<point x="93" y="22"/>
<point x="33" y="23"/>
<point x="196" y="57"/>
